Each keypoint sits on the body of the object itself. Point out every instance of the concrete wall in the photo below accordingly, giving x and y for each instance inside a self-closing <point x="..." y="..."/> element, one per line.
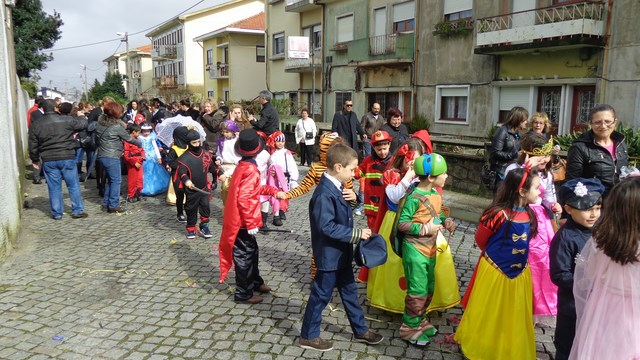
<point x="13" y="135"/>
<point x="277" y="21"/>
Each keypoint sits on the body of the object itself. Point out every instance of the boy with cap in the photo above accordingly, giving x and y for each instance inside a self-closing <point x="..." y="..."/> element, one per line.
<point x="193" y="166"/>
<point x="582" y="200"/>
<point x="421" y="218"/>
<point x="332" y="239"/>
<point x="242" y="220"/>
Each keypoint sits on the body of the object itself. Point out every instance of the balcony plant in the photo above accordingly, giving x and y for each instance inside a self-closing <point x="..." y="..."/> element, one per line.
<point x="448" y="28"/>
<point x="419" y="122"/>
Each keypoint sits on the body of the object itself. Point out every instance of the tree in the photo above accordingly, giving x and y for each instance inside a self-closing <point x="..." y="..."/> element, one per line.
<point x="112" y="86"/>
<point x="33" y="31"/>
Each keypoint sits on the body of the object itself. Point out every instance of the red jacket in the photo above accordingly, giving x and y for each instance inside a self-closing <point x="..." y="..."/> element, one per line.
<point x="242" y="210"/>
<point x="133" y="154"/>
<point x="371" y="170"/>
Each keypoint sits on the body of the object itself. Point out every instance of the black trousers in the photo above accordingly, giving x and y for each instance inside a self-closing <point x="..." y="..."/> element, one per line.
<point x="196" y="202"/>
<point x="306" y="154"/>
<point x="179" y="199"/>
<point x="565" y="332"/>
<point x="245" y="258"/>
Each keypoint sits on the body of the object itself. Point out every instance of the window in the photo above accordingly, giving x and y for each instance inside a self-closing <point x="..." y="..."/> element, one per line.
<point x="341" y="97"/>
<point x="209" y="56"/>
<point x="404" y="17"/>
<point x="210" y="93"/>
<point x="451" y="103"/>
<point x="314" y="33"/>
<point x="278" y="44"/>
<point x="260" y="53"/>
<point x="455" y="10"/>
<point x="180" y="68"/>
<point x="179" y="36"/>
<point x="344" y="25"/>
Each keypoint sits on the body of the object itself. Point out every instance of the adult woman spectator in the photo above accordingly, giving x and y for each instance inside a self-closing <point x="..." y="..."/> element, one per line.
<point x="110" y="133"/>
<point x="540" y="124"/>
<point x="211" y="125"/>
<point x="132" y="110"/>
<point x="599" y="152"/>
<point x="505" y="144"/>
<point x="395" y="128"/>
<point x="305" y="135"/>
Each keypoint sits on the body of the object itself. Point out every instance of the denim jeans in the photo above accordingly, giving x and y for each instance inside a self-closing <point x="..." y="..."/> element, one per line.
<point x="366" y="147"/>
<point x="80" y="155"/>
<point x="112" y="187"/>
<point x="54" y="172"/>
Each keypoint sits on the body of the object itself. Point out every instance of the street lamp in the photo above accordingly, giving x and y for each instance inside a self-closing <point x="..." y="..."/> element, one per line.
<point x="86" y="93"/>
<point x="125" y="39"/>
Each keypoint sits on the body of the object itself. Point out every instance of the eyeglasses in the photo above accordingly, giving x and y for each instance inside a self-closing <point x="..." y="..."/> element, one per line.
<point x="606" y="123"/>
<point x="348" y="105"/>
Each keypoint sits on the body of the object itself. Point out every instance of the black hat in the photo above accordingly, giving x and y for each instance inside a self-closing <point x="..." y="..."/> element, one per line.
<point x="371" y="252"/>
<point x="193" y="135"/>
<point x="180" y="136"/>
<point x="249" y="143"/>
<point x="581" y="193"/>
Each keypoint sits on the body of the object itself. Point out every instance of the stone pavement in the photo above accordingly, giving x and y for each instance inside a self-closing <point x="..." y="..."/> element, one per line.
<point x="131" y="286"/>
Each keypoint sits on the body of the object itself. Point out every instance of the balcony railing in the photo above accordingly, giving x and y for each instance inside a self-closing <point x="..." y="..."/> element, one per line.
<point x="218" y="70"/>
<point x="299" y="5"/>
<point x="389" y="47"/>
<point x="166" y="51"/>
<point x="166" y="81"/>
<point x="560" y="21"/>
<point x="304" y="65"/>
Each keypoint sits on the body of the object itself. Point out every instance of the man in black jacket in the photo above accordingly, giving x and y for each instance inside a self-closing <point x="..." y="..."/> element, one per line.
<point x="269" y="121"/>
<point x="51" y="138"/>
<point x="346" y="124"/>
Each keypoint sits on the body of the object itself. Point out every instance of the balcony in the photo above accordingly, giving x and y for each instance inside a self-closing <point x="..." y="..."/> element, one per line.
<point x="299" y="6"/>
<point x="379" y="50"/>
<point x="304" y="65"/>
<point x="218" y="71"/>
<point x="166" y="82"/>
<point x="166" y="52"/>
<point x="562" y="26"/>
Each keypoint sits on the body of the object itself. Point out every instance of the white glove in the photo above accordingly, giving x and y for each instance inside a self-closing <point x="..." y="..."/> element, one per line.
<point x="253" y="231"/>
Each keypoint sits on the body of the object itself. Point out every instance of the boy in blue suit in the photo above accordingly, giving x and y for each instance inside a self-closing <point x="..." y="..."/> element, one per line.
<point x="332" y="239"/>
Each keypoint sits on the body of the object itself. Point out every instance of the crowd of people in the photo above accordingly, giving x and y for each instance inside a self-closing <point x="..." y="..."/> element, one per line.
<point x="581" y="271"/>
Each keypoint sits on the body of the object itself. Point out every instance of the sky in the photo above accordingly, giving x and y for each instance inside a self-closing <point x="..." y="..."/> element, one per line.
<point x="88" y="22"/>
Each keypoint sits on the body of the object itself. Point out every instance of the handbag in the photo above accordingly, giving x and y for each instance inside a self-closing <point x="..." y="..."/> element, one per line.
<point x="559" y="169"/>
<point x="307" y="134"/>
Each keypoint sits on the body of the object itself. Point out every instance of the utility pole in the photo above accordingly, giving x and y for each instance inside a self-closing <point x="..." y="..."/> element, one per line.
<point x="84" y="77"/>
<point x="127" y="68"/>
<point x="313" y="79"/>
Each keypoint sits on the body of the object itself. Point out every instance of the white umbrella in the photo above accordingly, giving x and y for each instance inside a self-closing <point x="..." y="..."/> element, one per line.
<point x="164" y="130"/>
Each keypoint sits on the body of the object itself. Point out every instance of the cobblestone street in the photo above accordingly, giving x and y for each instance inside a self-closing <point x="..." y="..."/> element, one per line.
<point x="131" y="286"/>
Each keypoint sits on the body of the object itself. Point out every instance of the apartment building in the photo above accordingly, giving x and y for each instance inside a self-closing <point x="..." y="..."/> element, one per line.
<point x="139" y="77"/>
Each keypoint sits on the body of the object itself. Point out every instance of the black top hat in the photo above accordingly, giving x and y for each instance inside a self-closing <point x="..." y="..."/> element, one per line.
<point x="371" y="252"/>
<point x="581" y="193"/>
<point x="249" y="143"/>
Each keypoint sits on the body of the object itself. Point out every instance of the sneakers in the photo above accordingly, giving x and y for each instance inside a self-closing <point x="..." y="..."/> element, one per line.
<point x="370" y="337"/>
<point x="191" y="234"/>
<point x="204" y="230"/>
<point x="358" y="210"/>
<point x="81" y="215"/>
<point x="418" y="336"/>
<point x="316" y="344"/>
<point x="181" y="218"/>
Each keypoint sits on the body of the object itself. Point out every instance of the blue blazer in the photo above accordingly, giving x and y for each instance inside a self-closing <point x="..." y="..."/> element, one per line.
<point x="332" y="233"/>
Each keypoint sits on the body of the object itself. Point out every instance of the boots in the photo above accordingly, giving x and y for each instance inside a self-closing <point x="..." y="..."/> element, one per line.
<point x="265" y="215"/>
<point x="276" y="220"/>
<point x="282" y="215"/>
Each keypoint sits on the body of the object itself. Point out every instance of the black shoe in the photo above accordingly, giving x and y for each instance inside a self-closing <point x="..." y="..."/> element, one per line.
<point x="282" y="215"/>
<point x="37" y="182"/>
<point x="116" y="210"/>
<point x="181" y="218"/>
<point x="133" y="200"/>
<point x="81" y="215"/>
<point x="264" y="221"/>
<point x="277" y="221"/>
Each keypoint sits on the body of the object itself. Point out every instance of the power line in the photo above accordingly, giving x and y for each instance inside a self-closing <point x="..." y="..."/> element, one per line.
<point x="136" y="33"/>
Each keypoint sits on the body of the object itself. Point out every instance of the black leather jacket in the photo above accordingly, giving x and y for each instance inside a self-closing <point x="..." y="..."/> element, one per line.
<point x="110" y="133"/>
<point x="504" y="148"/>
<point x="269" y="120"/>
<point x="589" y="160"/>
<point x="51" y="137"/>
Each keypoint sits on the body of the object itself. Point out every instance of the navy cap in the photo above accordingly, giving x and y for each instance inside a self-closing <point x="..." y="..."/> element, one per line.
<point x="580" y="193"/>
<point x="371" y="252"/>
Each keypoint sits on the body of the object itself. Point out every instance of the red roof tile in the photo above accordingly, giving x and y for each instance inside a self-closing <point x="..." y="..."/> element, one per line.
<point x="144" y="48"/>
<point x="255" y="22"/>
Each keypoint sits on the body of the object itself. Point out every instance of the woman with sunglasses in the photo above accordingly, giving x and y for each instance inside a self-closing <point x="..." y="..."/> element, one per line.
<point x="599" y="152"/>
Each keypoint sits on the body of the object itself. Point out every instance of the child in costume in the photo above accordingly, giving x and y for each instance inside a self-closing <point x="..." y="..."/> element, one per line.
<point x="263" y="161"/>
<point x="315" y="174"/>
<point x="420" y="221"/>
<point x="133" y="158"/>
<point x="227" y="157"/>
<point x="282" y="174"/>
<point x="155" y="175"/>
<point x="498" y="319"/>
<point x="386" y="286"/>
<point x="193" y="167"/>
<point x="607" y="280"/>
<point x="537" y="151"/>
<point x="179" y="146"/>
<point x="371" y="170"/>
<point x="241" y="221"/>
<point x="582" y="199"/>
<point x="332" y="239"/>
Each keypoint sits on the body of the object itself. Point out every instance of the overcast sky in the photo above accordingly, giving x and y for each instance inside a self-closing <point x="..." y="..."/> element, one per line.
<point x="87" y="22"/>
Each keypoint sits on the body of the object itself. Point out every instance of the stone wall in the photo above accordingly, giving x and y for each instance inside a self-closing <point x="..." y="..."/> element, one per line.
<point x="464" y="173"/>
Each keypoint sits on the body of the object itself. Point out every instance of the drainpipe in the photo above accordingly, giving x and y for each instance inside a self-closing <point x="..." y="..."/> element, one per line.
<point x="323" y="71"/>
<point x="414" y="66"/>
<point x="605" y="58"/>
